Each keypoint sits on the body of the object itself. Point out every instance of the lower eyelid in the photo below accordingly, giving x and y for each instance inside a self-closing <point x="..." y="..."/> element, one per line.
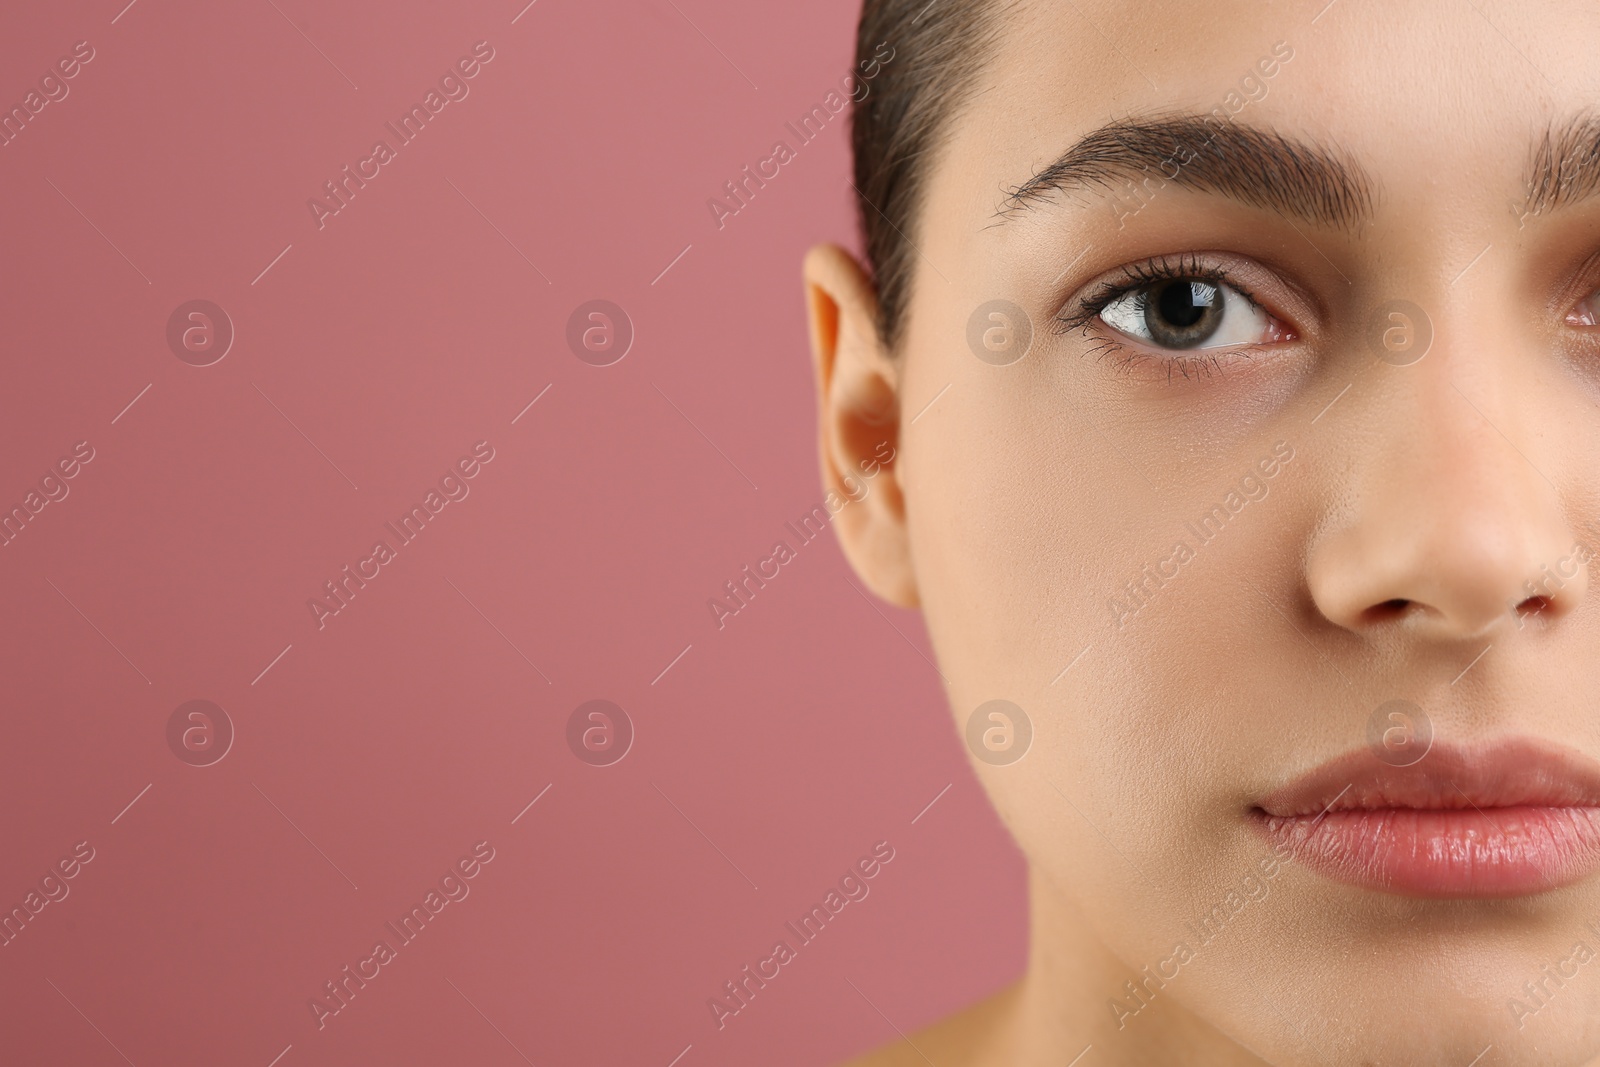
<point x="1188" y="364"/>
<point x="1129" y="354"/>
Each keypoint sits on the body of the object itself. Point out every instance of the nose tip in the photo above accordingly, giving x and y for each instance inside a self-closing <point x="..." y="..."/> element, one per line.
<point x="1449" y="576"/>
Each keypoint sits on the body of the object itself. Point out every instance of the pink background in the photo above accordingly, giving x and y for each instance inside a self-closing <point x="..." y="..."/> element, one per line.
<point x="374" y="752"/>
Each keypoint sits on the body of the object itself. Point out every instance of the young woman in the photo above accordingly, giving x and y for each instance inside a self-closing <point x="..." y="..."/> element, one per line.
<point x="1240" y="365"/>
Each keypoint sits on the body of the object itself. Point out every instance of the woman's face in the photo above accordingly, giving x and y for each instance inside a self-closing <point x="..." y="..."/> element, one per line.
<point x="1304" y="411"/>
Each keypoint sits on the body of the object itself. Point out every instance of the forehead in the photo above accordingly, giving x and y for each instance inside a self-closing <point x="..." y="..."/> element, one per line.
<point x="1438" y="101"/>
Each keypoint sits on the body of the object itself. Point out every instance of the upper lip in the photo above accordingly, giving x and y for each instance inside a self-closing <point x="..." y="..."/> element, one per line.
<point x="1511" y="772"/>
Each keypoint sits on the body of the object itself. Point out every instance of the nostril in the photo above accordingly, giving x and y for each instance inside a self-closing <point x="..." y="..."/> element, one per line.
<point x="1534" y="605"/>
<point x="1386" y="611"/>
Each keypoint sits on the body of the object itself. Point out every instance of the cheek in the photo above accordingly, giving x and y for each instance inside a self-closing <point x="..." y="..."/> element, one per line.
<point x="1018" y="545"/>
<point x="1029" y="511"/>
<point x="1022" y="526"/>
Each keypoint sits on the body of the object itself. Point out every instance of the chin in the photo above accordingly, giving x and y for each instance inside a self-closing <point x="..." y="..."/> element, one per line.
<point x="1450" y="1008"/>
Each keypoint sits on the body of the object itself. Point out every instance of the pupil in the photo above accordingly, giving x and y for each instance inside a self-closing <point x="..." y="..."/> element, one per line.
<point x="1183" y="303"/>
<point x="1184" y="313"/>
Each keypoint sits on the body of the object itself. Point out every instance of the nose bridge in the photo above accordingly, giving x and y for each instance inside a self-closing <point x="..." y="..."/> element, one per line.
<point x="1451" y="522"/>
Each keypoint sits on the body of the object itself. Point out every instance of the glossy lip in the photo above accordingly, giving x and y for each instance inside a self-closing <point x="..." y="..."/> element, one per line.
<point x="1509" y="818"/>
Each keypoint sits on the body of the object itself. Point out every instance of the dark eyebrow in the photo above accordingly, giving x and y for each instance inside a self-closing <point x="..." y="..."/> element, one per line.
<point x="1565" y="167"/>
<point x="1254" y="166"/>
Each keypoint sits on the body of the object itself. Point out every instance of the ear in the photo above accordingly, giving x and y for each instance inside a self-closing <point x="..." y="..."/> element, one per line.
<point x="858" y="406"/>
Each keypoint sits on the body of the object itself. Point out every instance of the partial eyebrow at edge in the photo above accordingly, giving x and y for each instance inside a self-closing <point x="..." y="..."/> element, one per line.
<point x="1565" y="167"/>
<point x="1251" y="165"/>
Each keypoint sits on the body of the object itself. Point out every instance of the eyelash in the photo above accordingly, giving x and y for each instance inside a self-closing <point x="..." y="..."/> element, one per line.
<point x="1139" y="276"/>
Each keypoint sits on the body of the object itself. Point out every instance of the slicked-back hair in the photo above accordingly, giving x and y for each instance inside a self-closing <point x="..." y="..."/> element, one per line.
<point x="940" y="47"/>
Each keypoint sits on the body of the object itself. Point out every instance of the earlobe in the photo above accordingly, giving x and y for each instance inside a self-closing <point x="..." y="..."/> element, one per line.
<point x="859" y="422"/>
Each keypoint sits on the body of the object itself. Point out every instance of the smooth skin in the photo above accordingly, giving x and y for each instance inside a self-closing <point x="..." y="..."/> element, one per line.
<point x="1388" y="558"/>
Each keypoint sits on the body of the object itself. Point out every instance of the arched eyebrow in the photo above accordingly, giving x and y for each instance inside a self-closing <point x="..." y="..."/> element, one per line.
<point x="1210" y="154"/>
<point x="1565" y="167"/>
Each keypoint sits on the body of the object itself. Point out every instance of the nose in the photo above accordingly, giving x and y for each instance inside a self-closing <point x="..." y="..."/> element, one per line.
<point x="1449" y="529"/>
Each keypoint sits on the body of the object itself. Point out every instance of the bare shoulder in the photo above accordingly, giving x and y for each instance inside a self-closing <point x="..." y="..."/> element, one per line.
<point x="971" y="1037"/>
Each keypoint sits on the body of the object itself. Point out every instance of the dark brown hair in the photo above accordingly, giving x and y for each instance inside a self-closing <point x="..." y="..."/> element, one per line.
<point x="939" y="48"/>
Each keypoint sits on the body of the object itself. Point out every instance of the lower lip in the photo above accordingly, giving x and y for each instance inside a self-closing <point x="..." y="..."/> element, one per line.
<point x="1493" y="852"/>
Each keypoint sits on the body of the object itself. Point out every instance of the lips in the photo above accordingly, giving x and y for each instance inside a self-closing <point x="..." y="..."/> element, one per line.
<point x="1507" y="819"/>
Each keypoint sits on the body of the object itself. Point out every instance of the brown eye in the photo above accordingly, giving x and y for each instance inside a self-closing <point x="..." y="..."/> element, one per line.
<point x="1188" y="313"/>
